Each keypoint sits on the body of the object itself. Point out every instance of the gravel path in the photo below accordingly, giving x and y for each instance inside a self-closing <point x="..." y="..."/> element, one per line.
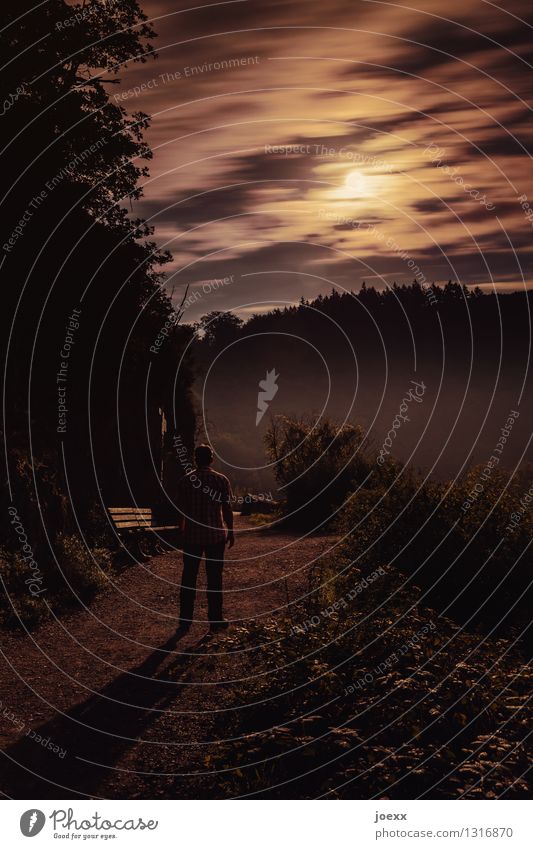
<point x="106" y="703"/>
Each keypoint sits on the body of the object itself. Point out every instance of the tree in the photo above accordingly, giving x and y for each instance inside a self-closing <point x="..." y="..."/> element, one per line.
<point x="316" y="465"/>
<point x="220" y="328"/>
<point x="69" y="177"/>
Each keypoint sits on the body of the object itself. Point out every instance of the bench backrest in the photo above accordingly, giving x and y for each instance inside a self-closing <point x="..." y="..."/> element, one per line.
<point x="131" y="517"/>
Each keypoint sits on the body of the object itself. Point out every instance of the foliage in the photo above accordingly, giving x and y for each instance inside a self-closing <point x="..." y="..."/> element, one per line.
<point x="360" y="706"/>
<point x="456" y="540"/>
<point x="70" y="171"/>
<point x="316" y="464"/>
<point x="74" y="572"/>
<point x="424" y="311"/>
<point x="220" y="328"/>
<point x="452" y="539"/>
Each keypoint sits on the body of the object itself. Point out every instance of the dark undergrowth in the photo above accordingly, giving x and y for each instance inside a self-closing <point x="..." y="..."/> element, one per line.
<point x="368" y="694"/>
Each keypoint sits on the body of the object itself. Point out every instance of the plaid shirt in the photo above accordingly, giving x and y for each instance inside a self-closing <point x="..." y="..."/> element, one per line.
<point x="201" y="494"/>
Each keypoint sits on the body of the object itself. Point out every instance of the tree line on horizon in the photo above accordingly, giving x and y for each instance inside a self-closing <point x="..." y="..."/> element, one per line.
<point x="455" y="305"/>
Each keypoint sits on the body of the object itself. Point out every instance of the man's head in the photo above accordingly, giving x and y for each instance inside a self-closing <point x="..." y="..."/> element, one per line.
<point x="203" y="456"/>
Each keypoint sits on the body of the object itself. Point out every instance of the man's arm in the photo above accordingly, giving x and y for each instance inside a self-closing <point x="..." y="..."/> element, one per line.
<point x="227" y="513"/>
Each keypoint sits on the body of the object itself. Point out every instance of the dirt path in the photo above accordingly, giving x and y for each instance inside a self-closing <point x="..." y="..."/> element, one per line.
<point x="106" y="703"/>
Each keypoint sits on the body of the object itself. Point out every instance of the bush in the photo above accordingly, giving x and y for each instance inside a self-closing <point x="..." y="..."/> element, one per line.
<point x="78" y="573"/>
<point x="84" y="572"/>
<point x="316" y="465"/>
<point x="454" y="540"/>
<point x="465" y="543"/>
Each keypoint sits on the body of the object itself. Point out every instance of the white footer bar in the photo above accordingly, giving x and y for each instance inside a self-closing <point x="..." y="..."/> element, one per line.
<point x="255" y="824"/>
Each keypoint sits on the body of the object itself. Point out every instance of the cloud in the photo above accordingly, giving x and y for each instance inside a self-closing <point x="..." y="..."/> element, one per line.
<point x="211" y="131"/>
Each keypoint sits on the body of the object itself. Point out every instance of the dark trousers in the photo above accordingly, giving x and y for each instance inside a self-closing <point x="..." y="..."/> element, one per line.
<point x="214" y="562"/>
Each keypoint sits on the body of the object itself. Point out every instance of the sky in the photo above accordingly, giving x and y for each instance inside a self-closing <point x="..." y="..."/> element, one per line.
<point x="303" y="145"/>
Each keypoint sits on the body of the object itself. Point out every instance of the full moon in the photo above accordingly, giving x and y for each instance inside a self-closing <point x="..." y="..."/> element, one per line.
<point x="356" y="182"/>
<point x="355" y="186"/>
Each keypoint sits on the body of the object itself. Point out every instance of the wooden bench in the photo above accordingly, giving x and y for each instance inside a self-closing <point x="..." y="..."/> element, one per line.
<point x="138" y="522"/>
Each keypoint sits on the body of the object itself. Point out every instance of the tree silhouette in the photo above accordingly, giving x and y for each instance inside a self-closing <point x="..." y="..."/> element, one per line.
<point x="70" y="175"/>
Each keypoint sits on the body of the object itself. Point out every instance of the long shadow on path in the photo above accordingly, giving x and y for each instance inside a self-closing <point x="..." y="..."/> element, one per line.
<point x="100" y="730"/>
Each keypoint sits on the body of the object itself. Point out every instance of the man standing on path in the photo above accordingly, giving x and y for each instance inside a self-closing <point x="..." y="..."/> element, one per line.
<point x="205" y="505"/>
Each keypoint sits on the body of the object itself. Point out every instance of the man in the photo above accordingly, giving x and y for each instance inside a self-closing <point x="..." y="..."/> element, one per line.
<point x="204" y="504"/>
